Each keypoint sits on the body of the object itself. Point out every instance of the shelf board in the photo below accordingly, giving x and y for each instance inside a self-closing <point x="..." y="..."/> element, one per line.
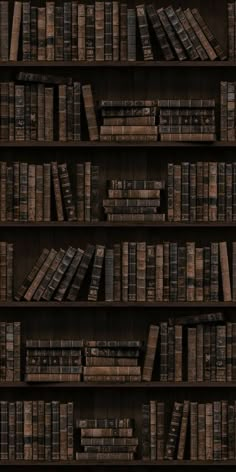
<point x="103" y="144"/>
<point x="113" y="385"/>
<point x="108" y="463"/>
<point x="102" y="304"/>
<point x="108" y="224"/>
<point x="118" y="64"/>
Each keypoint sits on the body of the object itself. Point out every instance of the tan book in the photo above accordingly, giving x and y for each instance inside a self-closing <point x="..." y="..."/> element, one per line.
<point x="150" y="353"/>
<point x="90" y="112"/>
<point x="62" y="113"/>
<point x="50" y="31"/>
<point x="81" y="32"/>
<point x="183" y="430"/>
<point x="129" y="130"/>
<point x="194" y="431"/>
<point x="153" y="430"/>
<point x="209" y="432"/>
<point x="146" y="194"/>
<point x="52" y="377"/>
<point x="39" y="276"/>
<point x="201" y="432"/>
<point x="41" y="34"/>
<point x="106" y="432"/>
<point x="141" y="272"/>
<point x="110" y="361"/>
<point x="190" y="271"/>
<point x="15" y="32"/>
<point x="99" y="31"/>
<point x="112" y="370"/>
<point x="212" y="191"/>
<point x="112" y="378"/>
<point x="224" y="265"/>
<point x="128" y="138"/>
<point x="192" y="357"/>
<point x="31" y="192"/>
<point x="57" y="191"/>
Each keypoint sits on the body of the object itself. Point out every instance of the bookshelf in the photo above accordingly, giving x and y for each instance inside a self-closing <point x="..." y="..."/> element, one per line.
<point x="118" y="320"/>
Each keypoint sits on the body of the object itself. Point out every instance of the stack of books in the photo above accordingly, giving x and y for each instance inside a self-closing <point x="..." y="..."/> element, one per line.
<point x="6" y="271"/>
<point x="128" y="120"/>
<point x="53" y="360"/>
<point x="37" y="430"/>
<point x="134" y="200"/>
<point x="10" y="346"/>
<point x="112" y="361"/>
<point x="187" y="120"/>
<point x="227" y="111"/>
<point x="195" y="348"/>
<point x="201" y="191"/>
<point x="208" y="427"/>
<point x="106" y="31"/>
<point x="107" y="439"/>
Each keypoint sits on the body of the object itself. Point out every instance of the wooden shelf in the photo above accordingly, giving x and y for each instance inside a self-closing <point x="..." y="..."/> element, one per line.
<point x="113" y="385"/>
<point x="109" y="463"/>
<point x="100" y="144"/>
<point x="107" y="224"/>
<point x="119" y="305"/>
<point x="118" y="64"/>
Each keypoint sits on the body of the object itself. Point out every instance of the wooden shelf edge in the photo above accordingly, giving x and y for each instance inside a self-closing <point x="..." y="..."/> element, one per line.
<point x="117" y="64"/>
<point x="108" y="224"/>
<point x="101" y="144"/>
<point x="102" y="304"/>
<point x="112" y="385"/>
<point x="108" y="463"/>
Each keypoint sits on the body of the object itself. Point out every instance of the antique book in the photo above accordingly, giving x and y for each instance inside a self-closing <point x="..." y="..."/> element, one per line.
<point x="150" y="353"/>
<point x="173" y="434"/>
<point x="90" y="112"/>
<point x="96" y="273"/>
<point x="4" y="31"/>
<point x="15" y="32"/>
<point x="225" y="274"/>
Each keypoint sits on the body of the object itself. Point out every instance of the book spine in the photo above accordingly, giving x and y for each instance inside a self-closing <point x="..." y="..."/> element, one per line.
<point x="117" y="272"/>
<point x="132" y="264"/>
<point x="174" y="430"/>
<point x="183" y="430"/>
<point x="150" y="273"/>
<point x="150" y="353"/>
<point x="41" y="112"/>
<point x="123" y="32"/>
<point x="159" y="272"/>
<point x="23" y="191"/>
<point x="90" y="112"/>
<point x="217" y="418"/>
<point x="131" y="24"/>
<point x="214" y="283"/>
<point x="172" y="36"/>
<point x="201" y="437"/>
<point x="99" y="31"/>
<point x="181" y="33"/>
<point x="57" y="191"/>
<point x="153" y="430"/>
<point x="67" y="15"/>
<point x="96" y="273"/>
<point x="185" y="191"/>
<point x="115" y="30"/>
<point x="50" y="31"/>
<point x="223" y="111"/>
<point x="81" y="32"/>
<point x="41" y="34"/>
<point x="231" y="31"/>
<point x="146" y="432"/>
<point x="87" y="191"/>
<point x="62" y="113"/>
<point x="15" y="32"/>
<point x="26" y="31"/>
<point x="160" y="33"/>
<point x="125" y="271"/>
<point x="144" y="33"/>
<point x="19" y="113"/>
<point x="59" y="34"/>
<point x="74" y="31"/>
<point x="177" y="192"/>
<point x="95" y="206"/>
<point x="90" y="32"/>
<point x="109" y="275"/>
<point x="4" y="31"/>
<point x="190" y="258"/>
<point x="67" y="192"/>
<point x="108" y="56"/>
<point x="48" y="110"/>
<point x="39" y="193"/>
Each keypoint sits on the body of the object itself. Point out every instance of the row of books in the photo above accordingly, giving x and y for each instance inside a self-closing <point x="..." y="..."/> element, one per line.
<point x="27" y="110"/>
<point x="134" y="271"/>
<point x="105" y="31"/>
<point x="107" y="439"/>
<point x="205" y="352"/>
<point x="97" y="361"/>
<point x="43" y="192"/>
<point x="196" y="431"/>
<point x="187" y="120"/>
<point x="36" y="430"/>
<point x="202" y="191"/>
<point x="227" y="111"/>
<point x="134" y="200"/>
<point x="231" y="9"/>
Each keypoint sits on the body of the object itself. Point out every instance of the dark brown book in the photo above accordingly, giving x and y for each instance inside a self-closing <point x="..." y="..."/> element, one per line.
<point x="99" y="31"/>
<point x="183" y="430"/>
<point x="57" y="191"/>
<point x="4" y="31"/>
<point x="150" y="353"/>
<point x="96" y="273"/>
<point x="144" y="33"/>
<point x="39" y="276"/>
<point x="41" y="34"/>
<point x="15" y="32"/>
<point x="59" y="273"/>
<point x="173" y="434"/>
<point x="80" y="273"/>
<point x="31" y="275"/>
<point x="90" y="112"/>
<point x="67" y="192"/>
<point x="90" y="32"/>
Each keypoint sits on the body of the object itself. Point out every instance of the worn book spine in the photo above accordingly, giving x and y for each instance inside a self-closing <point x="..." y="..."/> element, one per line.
<point x="62" y="113"/>
<point x="190" y="264"/>
<point x="45" y="281"/>
<point x="80" y="274"/>
<point x="159" y="272"/>
<point x="27" y="112"/>
<point x="184" y="191"/>
<point x="23" y="191"/>
<point x="109" y="275"/>
<point x="150" y="273"/>
<point x="57" y="191"/>
<point x="171" y="360"/>
<point x="90" y="112"/>
<point x="115" y="30"/>
<point x="4" y="121"/>
<point x="170" y="191"/>
<point x="90" y="32"/>
<point x="117" y="272"/>
<point x="199" y="198"/>
<point x="159" y="33"/>
<point x="99" y="31"/>
<point x="173" y="434"/>
<point x="177" y="192"/>
<point x="28" y="453"/>
<point x="199" y="267"/>
<point x="39" y="193"/>
<point x="234" y="270"/>
<point x="123" y="32"/>
<point x="192" y="355"/>
<point x="59" y="33"/>
<point x="4" y="31"/>
<point x="214" y="280"/>
<point x="19" y="113"/>
<point x="150" y="353"/>
<point x="3" y="188"/>
<point x="153" y="430"/>
<point x="181" y="33"/>
<point x="125" y="271"/>
<point x="3" y="271"/>
<point x="26" y="31"/>
<point x="181" y="264"/>
<point x="172" y="36"/>
<point x="201" y="436"/>
<point x="198" y="49"/>
<point x="69" y="112"/>
<point x="11" y="111"/>
<point x="178" y="348"/>
<point x="166" y="271"/>
<point x="67" y="192"/>
<point x="225" y="274"/>
<point x="9" y="194"/>
<point x="221" y="192"/>
<point x="81" y="32"/>
<point x="200" y="34"/>
<point x="96" y="273"/>
<point x="15" y="32"/>
<point x="41" y="429"/>
<point x="41" y="34"/>
<point x="33" y="33"/>
<point x="74" y="31"/>
<point x="95" y="205"/>
<point x="144" y="33"/>
<point x="209" y="35"/>
<point x="194" y="431"/>
<point x="231" y="31"/>
<point x="48" y="110"/>
<point x="231" y="111"/>
<point x="80" y="192"/>
<point x="47" y="192"/>
<point x="164" y="352"/>
<point x="224" y="111"/>
<point x="76" y="111"/>
<point x="231" y="432"/>
<point x="173" y="271"/>
<point x="146" y="432"/>
<point x="209" y="431"/>
<point x="41" y="112"/>
<point x="87" y="191"/>
<point x="131" y="23"/>
<point x="183" y="430"/>
<point x="67" y="19"/>
<point x="229" y="193"/>
<point x="108" y="55"/>
<point x="217" y="430"/>
<point x="63" y="431"/>
<point x="199" y="353"/>
<point x="65" y="283"/>
<point x="50" y="31"/>
<point x="59" y="273"/>
<point x="132" y="271"/>
<point x="221" y="353"/>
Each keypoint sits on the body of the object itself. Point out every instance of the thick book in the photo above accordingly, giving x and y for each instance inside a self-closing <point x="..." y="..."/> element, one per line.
<point x="96" y="273"/>
<point x="173" y="434"/>
<point x="150" y="353"/>
<point x="90" y="112"/>
<point x="144" y="33"/>
<point x="15" y="32"/>
<point x="80" y="273"/>
<point x="160" y="33"/>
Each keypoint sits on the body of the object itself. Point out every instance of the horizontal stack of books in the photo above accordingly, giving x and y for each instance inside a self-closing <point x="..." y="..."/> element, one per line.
<point x="6" y="271"/>
<point x="107" y="439"/>
<point x="208" y="427"/>
<point x="227" y="111"/>
<point x="43" y="192"/>
<point x="112" y="361"/>
<point x="134" y="200"/>
<point x="231" y="7"/>
<point x="128" y="120"/>
<point x="105" y="31"/>
<point x="53" y="360"/>
<point x="202" y="191"/>
<point x="198" y="348"/>
<point x="37" y="430"/>
<point x="187" y="120"/>
<point x="10" y="347"/>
